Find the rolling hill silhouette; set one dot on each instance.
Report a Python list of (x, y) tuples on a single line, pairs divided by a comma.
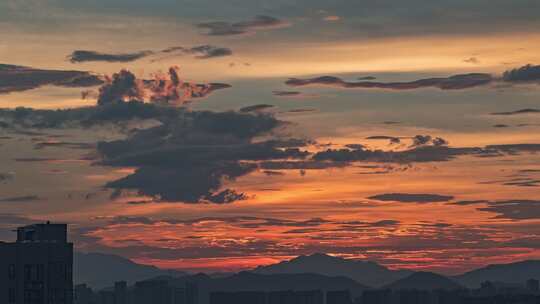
[(100, 270), (364, 272)]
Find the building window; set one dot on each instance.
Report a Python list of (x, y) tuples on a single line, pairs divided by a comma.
[(12, 296), (69, 273), (11, 271), (28, 272), (39, 272)]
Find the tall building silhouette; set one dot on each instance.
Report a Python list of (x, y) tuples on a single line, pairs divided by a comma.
[(37, 268), (533, 285), (120, 292)]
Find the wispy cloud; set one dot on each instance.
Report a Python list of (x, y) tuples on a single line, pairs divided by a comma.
[(19, 78), (199, 52), (259, 23), (526, 74)]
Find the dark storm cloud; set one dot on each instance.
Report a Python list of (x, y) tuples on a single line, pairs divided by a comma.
[(221, 28), (188, 174), (190, 155), (87, 56), (185, 184), (518, 112), (527, 73), (456, 82), (186, 158), (412, 198), (18, 78)]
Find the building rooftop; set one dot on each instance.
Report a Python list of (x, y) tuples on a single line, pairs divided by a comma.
[(45, 232)]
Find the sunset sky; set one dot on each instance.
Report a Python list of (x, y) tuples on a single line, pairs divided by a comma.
[(402, 132)]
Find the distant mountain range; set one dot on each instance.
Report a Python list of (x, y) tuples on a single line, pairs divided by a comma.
[(304, 272), (377, 276), (514, 273), (424, 281), (364, 272), (102, 270)]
